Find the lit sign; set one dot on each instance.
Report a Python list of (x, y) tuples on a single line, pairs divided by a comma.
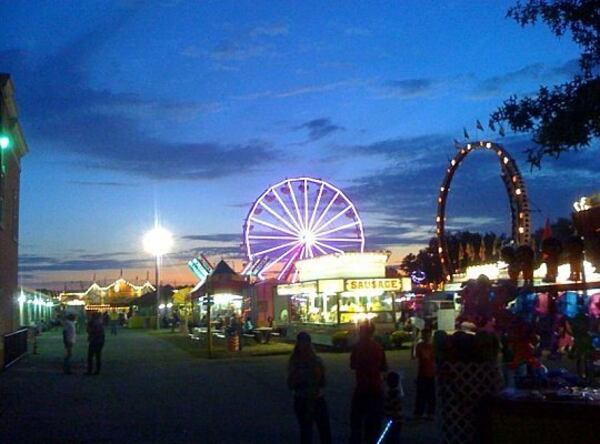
[(373, 284), (297, 288)]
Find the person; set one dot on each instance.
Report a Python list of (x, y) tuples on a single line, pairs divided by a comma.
[(392, 408), (425, 400), (175, 321), (248, 326), (368, 361), (69, 337), (306, 377), (95, 331), (114, 318)]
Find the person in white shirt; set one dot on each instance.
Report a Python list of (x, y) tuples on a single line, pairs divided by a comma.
[(69, 337)]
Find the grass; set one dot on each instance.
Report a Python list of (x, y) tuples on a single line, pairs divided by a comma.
[(198, 349)]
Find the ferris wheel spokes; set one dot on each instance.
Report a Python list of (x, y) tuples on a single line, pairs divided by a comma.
[(331, 247), (286, 209), (274, 213), (278, 247), (317, 229), (316, 207), (293, 196), (306, 204), (270, 225), (327, 209), (267, 237), (339, 239), (291, 260), (280, 258), (333, 230)]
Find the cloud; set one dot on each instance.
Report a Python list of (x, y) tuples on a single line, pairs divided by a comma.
[(137, 107), (414, 152), (30, 259), (270, 30), (51, 264), (229, 50), (419, 87), (104, 255), (523, 77), (302, 90), (245, 46), (103, 130), (568, 69), (319, 128), (231, 252), (219, 237), (101, 184), (395, 232)]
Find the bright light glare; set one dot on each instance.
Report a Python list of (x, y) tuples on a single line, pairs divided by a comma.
[(161, 306), (308, 238), (158, 241), (169, 305), (4, 142)]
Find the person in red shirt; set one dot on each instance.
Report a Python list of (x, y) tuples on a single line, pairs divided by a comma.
[(368, 361), (425, 377)]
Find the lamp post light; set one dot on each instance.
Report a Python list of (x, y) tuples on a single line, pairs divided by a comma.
[(158, 242)]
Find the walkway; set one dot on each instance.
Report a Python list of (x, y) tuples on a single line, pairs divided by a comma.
[(152, 392)]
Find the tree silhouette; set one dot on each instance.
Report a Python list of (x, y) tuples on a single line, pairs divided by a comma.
[(564, 117)]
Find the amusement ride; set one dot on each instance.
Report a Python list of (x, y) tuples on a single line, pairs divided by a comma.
[(299, 218)]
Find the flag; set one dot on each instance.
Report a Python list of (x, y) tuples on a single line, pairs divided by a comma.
[(501, 131), (491, 125), (465, 133), (547, 230), (478, 125)]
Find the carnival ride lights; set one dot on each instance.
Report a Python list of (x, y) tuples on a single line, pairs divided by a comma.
[(499, 269), (515, 187), (300, 218)]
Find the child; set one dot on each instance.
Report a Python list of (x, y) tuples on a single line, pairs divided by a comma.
[(392, 408), (425, 377)]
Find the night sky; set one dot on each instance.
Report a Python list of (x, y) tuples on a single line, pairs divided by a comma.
[(190, 109)]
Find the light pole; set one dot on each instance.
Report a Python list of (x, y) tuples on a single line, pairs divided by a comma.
[(158, 242)]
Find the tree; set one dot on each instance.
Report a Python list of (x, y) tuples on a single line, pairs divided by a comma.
[(565, 117)]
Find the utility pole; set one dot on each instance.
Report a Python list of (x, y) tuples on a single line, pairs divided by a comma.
[(208, 301)]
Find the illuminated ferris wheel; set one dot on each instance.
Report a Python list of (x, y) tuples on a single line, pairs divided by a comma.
[(297, 219)]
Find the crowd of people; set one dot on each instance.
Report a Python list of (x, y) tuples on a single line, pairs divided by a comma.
[(95, 337), (376, 416)]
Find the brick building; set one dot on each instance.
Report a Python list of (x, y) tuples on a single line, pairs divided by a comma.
[(12, 149)]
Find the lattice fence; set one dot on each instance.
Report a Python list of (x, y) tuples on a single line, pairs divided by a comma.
[(461, 387)]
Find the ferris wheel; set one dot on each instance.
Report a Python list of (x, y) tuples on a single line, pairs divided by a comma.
[(297, 219)]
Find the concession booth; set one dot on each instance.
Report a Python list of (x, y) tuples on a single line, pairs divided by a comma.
[(335, 292)]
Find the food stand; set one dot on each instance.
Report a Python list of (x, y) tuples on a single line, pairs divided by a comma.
[(336, 291), (225, 287)]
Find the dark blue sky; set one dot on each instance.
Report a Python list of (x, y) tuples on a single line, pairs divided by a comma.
[(193, 108)]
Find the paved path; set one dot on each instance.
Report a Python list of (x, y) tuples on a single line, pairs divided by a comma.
[(151, 392)]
